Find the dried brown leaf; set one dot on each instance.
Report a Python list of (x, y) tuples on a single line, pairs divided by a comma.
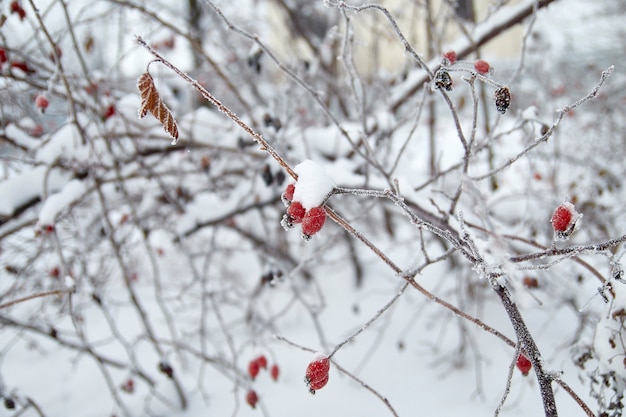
[(151, 102)]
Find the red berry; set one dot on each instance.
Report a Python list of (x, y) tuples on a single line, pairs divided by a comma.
[(274, 372), (22, 66), (128, 386), (262, 361), (59, 53), (3, 56), (316, 375), (55, 272), (314, 386), (523, 364), (41, 102), (47, 229), (296, 212), (561, 218), (564, 220), (110, 111), (481, 66), (37, 131), (288, 194), (253, 368), (252, 398), (313, 221), (450, 56)]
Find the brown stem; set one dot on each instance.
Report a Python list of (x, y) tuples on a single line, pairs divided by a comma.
[(30, 297)]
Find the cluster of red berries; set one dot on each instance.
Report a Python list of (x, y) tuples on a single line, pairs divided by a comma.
[(564, 220), (16, 7), (254, 367), (312, 220), (21, 65), (260, 362), (316, 375)]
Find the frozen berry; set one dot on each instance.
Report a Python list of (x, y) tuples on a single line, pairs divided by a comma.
[(287, 196), (296, 212), (316, 375), (450, 56), (313, 221), (22, 66), (564, 220), (3, 56), (262, 361), (41, 103), (314, 386), (109, 112), (252, 398), (253, 368), (55, 272), (47, 229), (482, 66), (274, 372), (530, 282), (128, 386), (523, 364)]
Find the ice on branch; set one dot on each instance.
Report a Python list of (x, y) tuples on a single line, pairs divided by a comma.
[(313, 185)]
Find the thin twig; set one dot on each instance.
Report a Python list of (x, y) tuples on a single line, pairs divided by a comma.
[(265, 146), (37, 295)]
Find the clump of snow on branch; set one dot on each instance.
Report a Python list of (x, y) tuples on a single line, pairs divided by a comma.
[(313, 185), (72, 192)]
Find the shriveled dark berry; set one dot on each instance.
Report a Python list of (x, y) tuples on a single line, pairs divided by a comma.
[(267, 176), (443, 80), (503, 99)]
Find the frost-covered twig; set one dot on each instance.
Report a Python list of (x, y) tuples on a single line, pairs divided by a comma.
[(503, 20), (509, 377), (570, 250), (308, 88), (265, 146), (544, 138), (344, 371), (367, 324), (405, 43)]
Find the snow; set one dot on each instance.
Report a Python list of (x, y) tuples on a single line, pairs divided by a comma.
[(313, 185), (72, 192), (26, 186)]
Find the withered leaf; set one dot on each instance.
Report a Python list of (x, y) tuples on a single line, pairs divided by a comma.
[(151, 102)]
